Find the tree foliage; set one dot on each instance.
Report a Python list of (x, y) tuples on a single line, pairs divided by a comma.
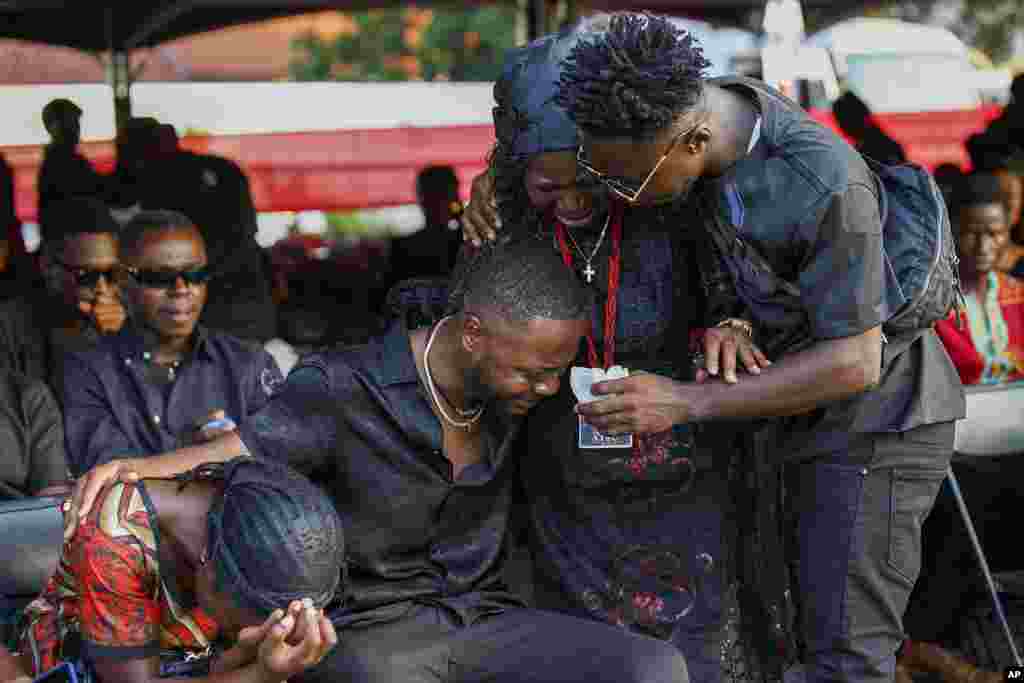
[(409, 43)]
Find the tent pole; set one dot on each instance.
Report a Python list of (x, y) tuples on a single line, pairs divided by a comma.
[(121, 84), (119, 74), (536, 18)]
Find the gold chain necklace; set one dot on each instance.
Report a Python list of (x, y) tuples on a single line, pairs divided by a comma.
[(472, 416)]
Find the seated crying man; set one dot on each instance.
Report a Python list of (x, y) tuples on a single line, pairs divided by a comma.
[(221, 573), (412, 435), (159, 383)]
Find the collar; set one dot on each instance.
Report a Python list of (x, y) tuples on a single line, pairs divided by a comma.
[(393, 364), (134, 340), (396, 363), (763, 98)]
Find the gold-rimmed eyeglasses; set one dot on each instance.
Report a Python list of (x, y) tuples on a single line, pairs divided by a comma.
[(622, 188)]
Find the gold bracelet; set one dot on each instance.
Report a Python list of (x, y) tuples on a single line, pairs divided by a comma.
[(738, 324)]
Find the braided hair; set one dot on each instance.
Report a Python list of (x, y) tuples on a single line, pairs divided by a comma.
[(634, 79), (273, 536)]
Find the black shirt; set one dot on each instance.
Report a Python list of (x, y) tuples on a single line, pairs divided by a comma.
[(807, 202), (65, 173), (31, 437), (113, 408), (358, 420)]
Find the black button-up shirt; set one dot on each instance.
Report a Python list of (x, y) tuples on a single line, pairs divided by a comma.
[(807, 202), (358, 420), (113, 410)]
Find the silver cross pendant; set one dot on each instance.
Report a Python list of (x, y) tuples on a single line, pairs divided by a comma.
[(589, 273)]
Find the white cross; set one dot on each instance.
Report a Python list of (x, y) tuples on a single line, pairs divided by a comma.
[(589, 273)]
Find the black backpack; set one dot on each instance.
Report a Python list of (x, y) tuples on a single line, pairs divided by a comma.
[(918, 243)]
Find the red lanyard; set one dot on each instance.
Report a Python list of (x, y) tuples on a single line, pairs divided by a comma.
[(614, 269)]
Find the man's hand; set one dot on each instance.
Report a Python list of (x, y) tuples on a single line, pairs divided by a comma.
[(643, 403), (722, 347), (480, 220), (278, 658), (89, 486), (106, 313)]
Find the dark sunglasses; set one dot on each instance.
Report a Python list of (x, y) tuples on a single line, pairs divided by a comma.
[(166, 279), (88, 277)]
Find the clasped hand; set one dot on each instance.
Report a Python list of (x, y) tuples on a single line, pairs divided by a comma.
[(287, 643)]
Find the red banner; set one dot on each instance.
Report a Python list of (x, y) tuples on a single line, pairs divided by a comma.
[(328, 170)]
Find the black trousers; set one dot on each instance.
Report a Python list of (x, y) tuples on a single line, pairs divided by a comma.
[(517, 645), (859, 515)]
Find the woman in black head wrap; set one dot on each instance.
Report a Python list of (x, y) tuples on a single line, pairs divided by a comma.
[(629, 534), (161, 571)]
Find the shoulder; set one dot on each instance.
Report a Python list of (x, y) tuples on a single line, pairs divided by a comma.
[(812, 154), (224, 169), (224, 343), (27, 392), (380, 361), (106, 353), (121, 511), (1011, 289), (17, 311), (341, 362)]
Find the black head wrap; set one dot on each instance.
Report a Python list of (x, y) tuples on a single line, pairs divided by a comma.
[(274, 537), (527, 119)]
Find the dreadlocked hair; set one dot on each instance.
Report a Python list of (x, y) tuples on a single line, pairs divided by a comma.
[(273, 536), (634, 79)]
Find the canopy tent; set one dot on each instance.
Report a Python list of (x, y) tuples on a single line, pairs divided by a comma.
[(282, 177), (731, 12), (116, 27)]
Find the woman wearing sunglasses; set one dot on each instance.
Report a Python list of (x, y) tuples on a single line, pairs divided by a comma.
[(164, 381), (220, 574), (628, 533)]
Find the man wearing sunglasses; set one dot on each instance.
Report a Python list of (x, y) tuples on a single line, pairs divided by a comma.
[(164, 381), (80, 300)]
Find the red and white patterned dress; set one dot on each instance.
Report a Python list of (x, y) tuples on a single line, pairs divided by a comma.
[(109, 591)]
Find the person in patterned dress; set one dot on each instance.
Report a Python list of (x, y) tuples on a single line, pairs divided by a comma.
[(162, 572)]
